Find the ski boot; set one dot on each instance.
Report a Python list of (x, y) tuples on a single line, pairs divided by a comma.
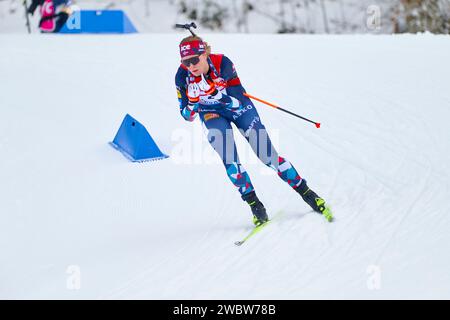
[(314, 201), (258, 210)]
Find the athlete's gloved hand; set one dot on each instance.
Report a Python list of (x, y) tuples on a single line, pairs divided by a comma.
[(235, 105), (193, 93), (190, 111), (209, 88)]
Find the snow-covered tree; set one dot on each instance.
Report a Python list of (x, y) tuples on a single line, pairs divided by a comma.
[(422, 15)]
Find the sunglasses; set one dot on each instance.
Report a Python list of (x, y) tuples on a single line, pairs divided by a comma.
[(193, 61)]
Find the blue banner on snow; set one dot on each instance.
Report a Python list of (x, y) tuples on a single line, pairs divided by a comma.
[(98, 21)]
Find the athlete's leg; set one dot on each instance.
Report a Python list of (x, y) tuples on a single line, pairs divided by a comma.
[(254, 131), (221, 138)]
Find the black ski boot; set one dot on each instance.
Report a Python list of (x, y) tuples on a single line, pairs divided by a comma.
[(314, 201), (258, 210)]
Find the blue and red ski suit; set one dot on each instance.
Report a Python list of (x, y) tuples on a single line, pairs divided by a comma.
[(233, 107)]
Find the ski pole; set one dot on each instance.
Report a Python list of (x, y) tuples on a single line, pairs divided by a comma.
[(280, 108), (25, 4)]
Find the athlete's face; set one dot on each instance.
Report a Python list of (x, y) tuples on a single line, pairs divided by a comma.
[(196, 64)]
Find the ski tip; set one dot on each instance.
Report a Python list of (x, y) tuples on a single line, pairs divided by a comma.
[(239, 243)]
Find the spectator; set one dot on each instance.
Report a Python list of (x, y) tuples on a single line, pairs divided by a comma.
[(54, 14)]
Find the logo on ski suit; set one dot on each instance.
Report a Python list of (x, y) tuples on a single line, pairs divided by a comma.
[(241, 111)]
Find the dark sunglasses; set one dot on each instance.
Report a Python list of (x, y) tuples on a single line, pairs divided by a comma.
[(193, 61)]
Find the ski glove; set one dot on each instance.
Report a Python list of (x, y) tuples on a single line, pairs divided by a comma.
[(209, 88), (190, 111)]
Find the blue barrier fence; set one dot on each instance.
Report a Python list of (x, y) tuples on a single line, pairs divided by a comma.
[(98, 21)]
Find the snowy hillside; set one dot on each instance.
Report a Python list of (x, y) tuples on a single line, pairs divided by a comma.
[(77, 220)]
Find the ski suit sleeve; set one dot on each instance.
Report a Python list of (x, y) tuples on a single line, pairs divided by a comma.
[(34, 4), (234, 86)]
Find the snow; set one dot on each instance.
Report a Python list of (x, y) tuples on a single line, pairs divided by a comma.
[(166, 229)]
